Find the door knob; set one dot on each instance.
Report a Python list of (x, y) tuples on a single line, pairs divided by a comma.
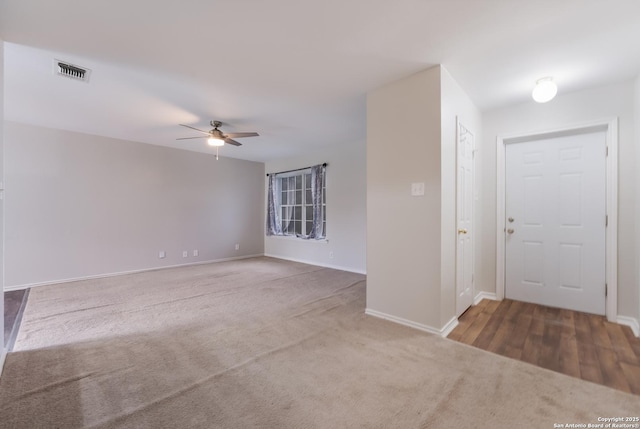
[(510, 219), (462, 231), (510, 231)]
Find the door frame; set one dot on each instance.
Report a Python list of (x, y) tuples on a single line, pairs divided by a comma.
[(610, 126)]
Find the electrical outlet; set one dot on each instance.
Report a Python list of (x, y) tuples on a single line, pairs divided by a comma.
[(417, 189), (237, 246), (195, 252), (162, 254), (185, 253)]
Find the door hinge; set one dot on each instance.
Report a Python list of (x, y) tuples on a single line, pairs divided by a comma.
[(607, 151), (606, 220), (606, 290)]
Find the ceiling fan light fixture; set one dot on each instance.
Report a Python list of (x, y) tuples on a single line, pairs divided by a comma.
[(544, 90), (217, 138), (215, 142)]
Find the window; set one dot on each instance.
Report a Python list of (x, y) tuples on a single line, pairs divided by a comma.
[(292, 209)]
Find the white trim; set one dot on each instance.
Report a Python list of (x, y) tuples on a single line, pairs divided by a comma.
[(3, 357), (500, 214), (484, 295), (319, 264), (611, 263), (448, 327), (121, 273), (630, 322), (298, 239), (443, 332), (612, 228)]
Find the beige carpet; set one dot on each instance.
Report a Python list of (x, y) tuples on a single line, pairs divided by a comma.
[(263, 343)]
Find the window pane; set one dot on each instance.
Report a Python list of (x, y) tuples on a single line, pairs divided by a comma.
[(298, 226), (309, 225), (299, 182), (307, 179), (324, 215), (283, 212), (283, 184), (298, 197), (324, 224), (308, 200), (298, 213), (284, 227), (324, 194), (283, 198)]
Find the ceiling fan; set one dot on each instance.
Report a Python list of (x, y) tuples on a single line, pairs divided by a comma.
[(217, 138)]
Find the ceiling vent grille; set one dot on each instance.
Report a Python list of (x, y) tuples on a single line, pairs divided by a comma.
[(63, 68)]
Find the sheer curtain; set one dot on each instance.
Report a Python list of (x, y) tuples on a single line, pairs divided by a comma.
[(274, 226), (317, 186)]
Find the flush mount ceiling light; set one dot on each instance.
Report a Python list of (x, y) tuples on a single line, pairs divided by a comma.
[(544, 90)]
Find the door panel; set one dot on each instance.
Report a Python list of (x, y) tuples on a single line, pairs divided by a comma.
[(555, 226), (464, 214)]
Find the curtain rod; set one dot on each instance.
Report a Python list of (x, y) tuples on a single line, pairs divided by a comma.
[(297, 169)]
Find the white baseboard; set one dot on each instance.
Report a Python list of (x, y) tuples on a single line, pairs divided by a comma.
[(318, 264), (630, 322), (122, 273), (3, 356), (484, 295), (450, 326), (443, 332)]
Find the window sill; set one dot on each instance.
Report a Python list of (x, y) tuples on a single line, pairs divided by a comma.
[(293, 238)]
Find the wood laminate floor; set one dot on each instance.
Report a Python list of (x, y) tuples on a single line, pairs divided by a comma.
[(578, 344)]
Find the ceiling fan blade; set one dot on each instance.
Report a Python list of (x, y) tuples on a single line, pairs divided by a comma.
[(233, 142), (188, 138), (237, 135), (193, 128)]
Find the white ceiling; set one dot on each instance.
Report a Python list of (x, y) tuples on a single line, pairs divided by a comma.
[(295, 71)]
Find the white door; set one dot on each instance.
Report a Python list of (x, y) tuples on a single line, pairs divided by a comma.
[(555, 226), (464, 214)]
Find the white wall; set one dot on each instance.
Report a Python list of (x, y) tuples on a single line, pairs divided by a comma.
[(637, 163), (346, 210), (566, 110), (404, 231), (455, 104), (79, 206), (411, 241), (3, 352)]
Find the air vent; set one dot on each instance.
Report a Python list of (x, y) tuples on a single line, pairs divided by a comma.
[(63, 68)]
